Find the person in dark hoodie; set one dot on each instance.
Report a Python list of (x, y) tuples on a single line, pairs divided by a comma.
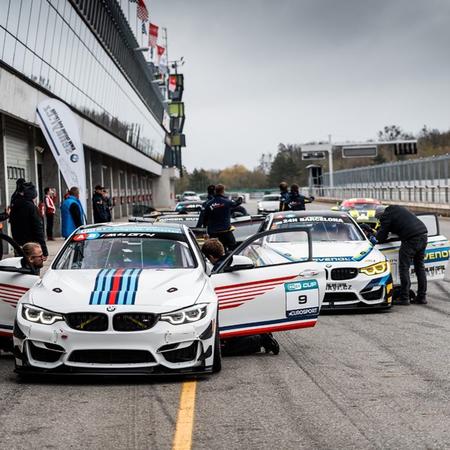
[(18, 192), (412, 232), (211, 190), (26, 223)]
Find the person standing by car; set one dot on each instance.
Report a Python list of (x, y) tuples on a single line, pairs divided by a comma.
[(217, 217), (18, 192), (72, 214), (50, 211), (99, 206), (296, 201), (108, 203), (412, 232), (26, 223), (284, 194)]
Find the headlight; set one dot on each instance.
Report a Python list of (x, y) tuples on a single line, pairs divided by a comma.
[(375, 269), (188, 315), (39, 315)]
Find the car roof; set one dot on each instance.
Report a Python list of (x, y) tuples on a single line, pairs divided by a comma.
[(319, 212), (361, 200), (131, 227)]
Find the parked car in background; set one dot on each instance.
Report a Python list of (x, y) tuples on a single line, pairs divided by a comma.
[(190, 196), (269, 203)]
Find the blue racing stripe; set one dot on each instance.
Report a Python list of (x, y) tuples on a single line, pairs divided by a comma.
[(133, 284), (97, 288), (106, 288)]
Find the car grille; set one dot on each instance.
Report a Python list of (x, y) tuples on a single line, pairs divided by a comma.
[(134, 321), (340, 297), (111, 356), (86, 321), (344, 273)]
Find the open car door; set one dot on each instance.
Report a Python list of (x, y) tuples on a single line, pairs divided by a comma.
[(436, 254), (14, 283), (269, 283)]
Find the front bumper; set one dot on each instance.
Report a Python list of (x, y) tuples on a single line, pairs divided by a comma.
[(164, 348), (362, 292)]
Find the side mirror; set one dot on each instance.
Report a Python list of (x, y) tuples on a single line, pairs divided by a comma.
[(239, 263)]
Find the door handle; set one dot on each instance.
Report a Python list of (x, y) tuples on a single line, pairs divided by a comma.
[(308, 273)]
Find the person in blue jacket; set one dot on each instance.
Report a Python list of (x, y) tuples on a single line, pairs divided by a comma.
[(72, 214), (217, 217)]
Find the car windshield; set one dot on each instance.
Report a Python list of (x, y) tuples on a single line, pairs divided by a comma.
[(271, 198), (126, 253), (322, 229), (361, 206)]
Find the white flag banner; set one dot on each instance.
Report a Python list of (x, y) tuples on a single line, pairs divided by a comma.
[(60, 128)]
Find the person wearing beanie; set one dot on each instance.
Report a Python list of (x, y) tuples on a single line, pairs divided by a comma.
[(26, 222)]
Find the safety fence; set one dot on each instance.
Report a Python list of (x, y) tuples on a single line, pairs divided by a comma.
[(429, 195), (434, 170)]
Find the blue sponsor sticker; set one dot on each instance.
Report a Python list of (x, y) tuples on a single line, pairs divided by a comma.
[(301, 285), (305, 313)]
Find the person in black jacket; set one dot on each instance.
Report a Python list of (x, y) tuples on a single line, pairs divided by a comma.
[(217, 217), (26, 223), (413, 236), (18, 192), (296, 201), (100, 206)]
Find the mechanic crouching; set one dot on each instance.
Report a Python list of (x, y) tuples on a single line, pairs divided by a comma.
[(413, 236), (214, 251)]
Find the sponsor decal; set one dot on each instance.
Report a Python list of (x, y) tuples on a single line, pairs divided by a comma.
[(305, 313), (437, 255), (301, 285), (115, 287), (120, 229), (333, 287)]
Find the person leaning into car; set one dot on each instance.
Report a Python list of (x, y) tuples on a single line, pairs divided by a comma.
[(33, 258), (217, 217), (413, 236)]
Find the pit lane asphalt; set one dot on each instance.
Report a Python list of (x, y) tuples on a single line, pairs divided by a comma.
[(378, 380)]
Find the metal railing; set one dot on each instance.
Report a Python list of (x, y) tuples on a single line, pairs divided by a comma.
[(430, 171), (430, 195)]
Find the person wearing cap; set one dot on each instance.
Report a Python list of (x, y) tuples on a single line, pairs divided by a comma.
[(412, 232), (26, 222), (100, 206)]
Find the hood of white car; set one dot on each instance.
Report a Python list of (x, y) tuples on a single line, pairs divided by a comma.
[(330, 251), (79, 290)]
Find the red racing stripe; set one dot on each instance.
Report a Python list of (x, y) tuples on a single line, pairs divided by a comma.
[(117, 278), (253, 283), (230, 306), (10, 286)]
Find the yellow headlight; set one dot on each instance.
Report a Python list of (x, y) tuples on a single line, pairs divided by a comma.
[(375, 269)]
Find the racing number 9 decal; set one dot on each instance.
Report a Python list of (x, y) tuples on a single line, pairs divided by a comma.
[(302, 299)]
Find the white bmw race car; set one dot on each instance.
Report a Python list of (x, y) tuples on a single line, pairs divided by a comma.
[(139, 298), (358, 273)]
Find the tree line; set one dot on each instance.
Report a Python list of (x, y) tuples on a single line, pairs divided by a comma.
[(287, 164)]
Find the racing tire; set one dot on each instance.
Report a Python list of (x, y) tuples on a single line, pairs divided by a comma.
[(217, 362)]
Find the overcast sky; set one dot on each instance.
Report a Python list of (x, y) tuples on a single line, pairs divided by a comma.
[(261, 72)]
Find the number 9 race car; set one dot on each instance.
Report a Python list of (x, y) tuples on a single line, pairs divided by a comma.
[(140, 299)]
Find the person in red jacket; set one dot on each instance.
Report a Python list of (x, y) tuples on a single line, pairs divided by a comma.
[(50, 211)]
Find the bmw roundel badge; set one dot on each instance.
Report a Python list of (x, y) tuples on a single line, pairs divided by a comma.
[(110, 308)]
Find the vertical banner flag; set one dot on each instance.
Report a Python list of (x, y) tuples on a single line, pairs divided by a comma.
[(142, 12), (60, 128), (161, 60), (152, 35)]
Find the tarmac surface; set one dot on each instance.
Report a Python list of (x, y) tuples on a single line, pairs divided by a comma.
[(356, 380)]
